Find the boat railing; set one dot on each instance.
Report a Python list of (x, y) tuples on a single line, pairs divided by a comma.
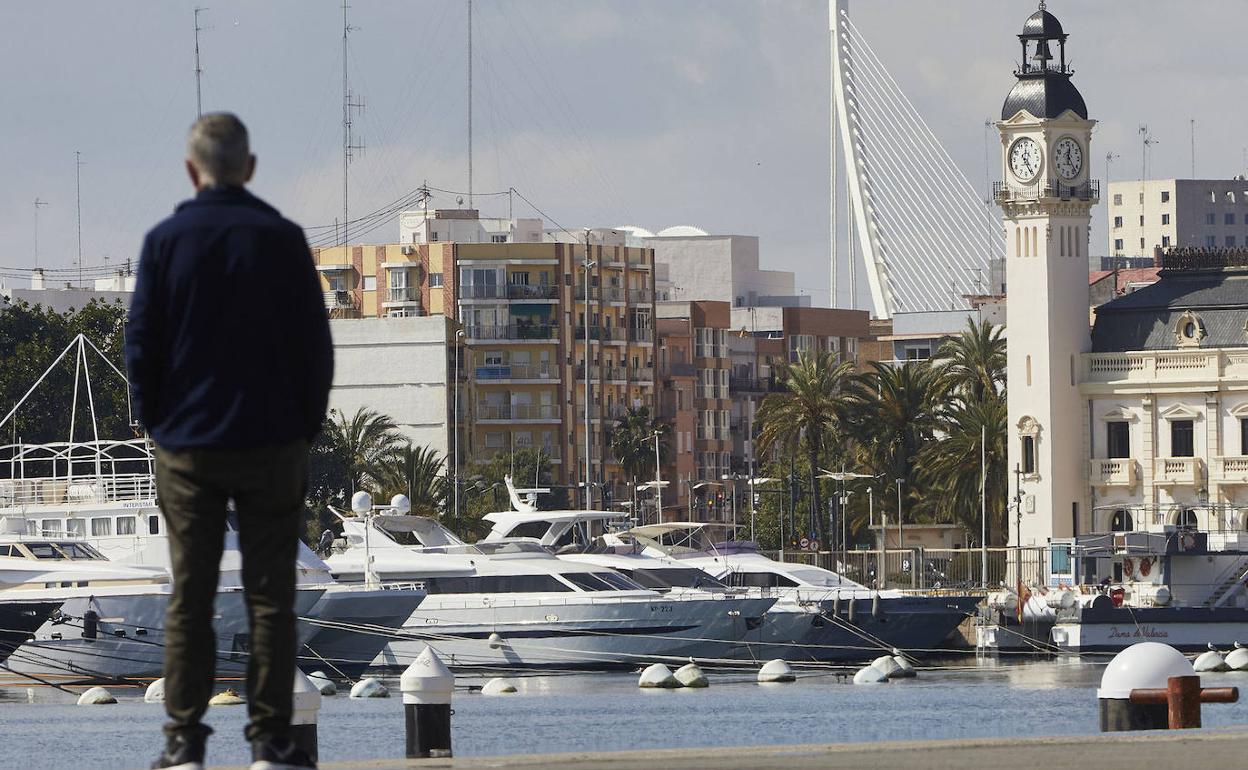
[(77, 490), (928, 569)]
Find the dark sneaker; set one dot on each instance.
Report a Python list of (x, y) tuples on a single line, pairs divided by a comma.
[(182, 752), (279, 754)]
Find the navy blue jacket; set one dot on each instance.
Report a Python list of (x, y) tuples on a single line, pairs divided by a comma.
[(227, 340)]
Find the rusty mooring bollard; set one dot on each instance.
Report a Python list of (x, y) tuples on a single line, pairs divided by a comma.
[(1182, 698)]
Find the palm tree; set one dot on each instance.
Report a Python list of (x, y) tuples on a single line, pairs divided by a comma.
[(890, 413), (972, 364), (805, 414), (950, 468), (416, 471), (632, 443), (366, 444)]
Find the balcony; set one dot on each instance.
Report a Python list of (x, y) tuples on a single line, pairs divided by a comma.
[(752, 385), (614, 294), (515, 332), (483, 291), (1230, 470), (642, 334), (339, 300), (677, 370), (517, 413), (1041, 189), (579, 293), (1164, 366), (1178, 471), (1119, 472), (514, 372), (532, 292), (600, 333), (640, 296), (402, 296)]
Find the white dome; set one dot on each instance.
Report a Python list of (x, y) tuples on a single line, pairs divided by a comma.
[(640, 232), (682, 231), (1146, 665)]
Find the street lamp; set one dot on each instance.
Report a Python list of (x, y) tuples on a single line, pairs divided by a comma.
[(901, 536), (459, 336)]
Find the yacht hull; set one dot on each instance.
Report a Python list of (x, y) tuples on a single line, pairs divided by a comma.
[(823, 631), (19, 621), (564, 633), (350, 628), (1190, 629), (129, 641)]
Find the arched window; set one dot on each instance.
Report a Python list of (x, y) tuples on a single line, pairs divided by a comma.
[(1187, 519), (1018, 241), (1122, 521), (1028, 363)]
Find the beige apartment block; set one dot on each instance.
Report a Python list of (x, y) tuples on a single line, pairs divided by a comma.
[(1166, 213)]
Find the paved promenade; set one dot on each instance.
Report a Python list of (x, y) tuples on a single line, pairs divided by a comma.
[(1204, 749)]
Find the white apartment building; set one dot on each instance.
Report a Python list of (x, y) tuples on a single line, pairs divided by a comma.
[(719, 268), (1165, 213), (465, 226), (399, 367)]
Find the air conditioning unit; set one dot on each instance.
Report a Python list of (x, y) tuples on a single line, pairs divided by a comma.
[(407, 251)]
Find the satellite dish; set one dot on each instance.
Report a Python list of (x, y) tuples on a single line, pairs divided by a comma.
[(460, 200)]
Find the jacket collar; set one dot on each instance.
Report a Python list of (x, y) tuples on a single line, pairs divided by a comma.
[(237, 196)]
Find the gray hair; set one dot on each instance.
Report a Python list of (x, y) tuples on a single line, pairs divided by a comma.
[(219, 149)]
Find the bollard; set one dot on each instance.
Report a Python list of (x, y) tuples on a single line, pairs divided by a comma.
[(427, 685), (306, 704), (1147, 665), (1182, 698)]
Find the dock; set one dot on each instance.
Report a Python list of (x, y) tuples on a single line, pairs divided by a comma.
[(1211, 748)]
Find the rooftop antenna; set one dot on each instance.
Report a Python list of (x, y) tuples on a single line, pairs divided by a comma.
[(199, 100), (348, 144), (78, 198), (1146, 142), (469, 103), (38, 205), (1110, 157), (1193, 123)]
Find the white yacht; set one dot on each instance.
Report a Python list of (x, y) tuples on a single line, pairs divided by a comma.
[(104, 502), (844, 620), (514, 605)]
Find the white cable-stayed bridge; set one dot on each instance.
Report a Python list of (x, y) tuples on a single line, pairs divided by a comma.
[(925, 238)]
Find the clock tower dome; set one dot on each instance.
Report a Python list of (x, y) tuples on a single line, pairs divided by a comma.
[(1046, 195)]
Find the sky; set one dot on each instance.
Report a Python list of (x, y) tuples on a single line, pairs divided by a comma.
[(600, 112)]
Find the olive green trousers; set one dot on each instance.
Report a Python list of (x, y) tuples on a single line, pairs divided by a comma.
[(268, 486)]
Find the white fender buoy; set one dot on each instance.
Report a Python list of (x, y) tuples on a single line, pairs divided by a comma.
[(1237, 659), (1210, 661), (657, 676), (495, 641), (96, 696), (690, 675), (155, 692), (369, 688), (227, 697), (776, 671), (870, 675), (885, 665), (904, 670), (323, 684), (498, 686)]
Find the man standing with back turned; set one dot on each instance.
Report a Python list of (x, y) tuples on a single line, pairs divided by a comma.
[(230, 361)]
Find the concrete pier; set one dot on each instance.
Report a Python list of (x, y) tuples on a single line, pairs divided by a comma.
[(1129, 751)]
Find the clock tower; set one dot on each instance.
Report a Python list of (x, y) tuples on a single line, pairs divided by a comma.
[(1046, 195)]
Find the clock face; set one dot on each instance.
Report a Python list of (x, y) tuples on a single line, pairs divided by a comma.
[(1068, 157), (1025, 158)]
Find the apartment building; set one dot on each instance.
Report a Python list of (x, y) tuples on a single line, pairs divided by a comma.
[(694, 399), (1166, 213), (531, 315)]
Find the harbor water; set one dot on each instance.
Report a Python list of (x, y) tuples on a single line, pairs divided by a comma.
[(42, 728)]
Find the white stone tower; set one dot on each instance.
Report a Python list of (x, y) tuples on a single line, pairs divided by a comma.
[(1047, 197)]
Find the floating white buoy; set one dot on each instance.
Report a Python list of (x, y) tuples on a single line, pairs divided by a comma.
[(228, 697), (369, 688), (689, 675), (776, 671), (323, 684), (885, 665), (1237, 659), (498, 686), (1210, 661), (657, 675), (495, 641), (904, 670), (96, 696), (870, 675), (155, 692)]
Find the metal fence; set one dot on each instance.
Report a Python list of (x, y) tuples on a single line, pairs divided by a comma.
[(929, 568)]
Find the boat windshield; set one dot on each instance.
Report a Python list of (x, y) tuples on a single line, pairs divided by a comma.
[(675, 577), (822, 578), (601, 581)]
